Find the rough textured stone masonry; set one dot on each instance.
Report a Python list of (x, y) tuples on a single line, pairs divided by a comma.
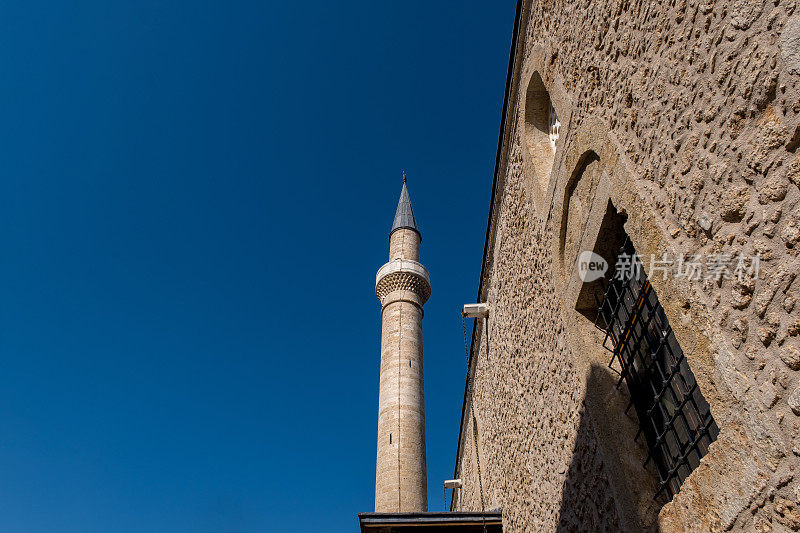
[(683, 117)]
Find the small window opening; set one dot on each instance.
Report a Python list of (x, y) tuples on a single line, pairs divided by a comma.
[(673, 416), (554, 126), (409, 363), (390, 438), (541, 130)]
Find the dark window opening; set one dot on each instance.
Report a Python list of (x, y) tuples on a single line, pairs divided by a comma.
[(610, 238), (390, 438), (673, 415)]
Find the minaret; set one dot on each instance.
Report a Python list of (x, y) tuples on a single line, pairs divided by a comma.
[(403, 286)]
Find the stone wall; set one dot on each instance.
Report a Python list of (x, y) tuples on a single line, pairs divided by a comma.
[(685, 117)]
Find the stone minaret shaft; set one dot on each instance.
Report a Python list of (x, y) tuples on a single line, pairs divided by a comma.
[(403, 286)]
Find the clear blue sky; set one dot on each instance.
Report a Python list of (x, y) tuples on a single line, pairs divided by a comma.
[(195, 199)]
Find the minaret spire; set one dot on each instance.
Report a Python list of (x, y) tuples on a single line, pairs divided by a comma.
[(402, 286), (404, 216)]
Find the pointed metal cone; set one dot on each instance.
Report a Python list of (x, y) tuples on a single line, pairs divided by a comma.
[(404, 217)]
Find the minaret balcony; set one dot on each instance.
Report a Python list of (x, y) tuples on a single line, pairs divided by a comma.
[(403, 275)]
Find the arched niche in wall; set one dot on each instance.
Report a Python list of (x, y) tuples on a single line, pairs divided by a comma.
[(587, 219), (596, 208), (577, 204), (540, 132)]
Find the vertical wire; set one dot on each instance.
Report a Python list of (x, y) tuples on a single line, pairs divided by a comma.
[(472, 412)]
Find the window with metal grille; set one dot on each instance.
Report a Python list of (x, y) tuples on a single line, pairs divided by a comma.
[(673, 416)]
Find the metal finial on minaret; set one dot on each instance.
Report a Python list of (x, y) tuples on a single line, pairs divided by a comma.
[(403, 286), (404, 177)]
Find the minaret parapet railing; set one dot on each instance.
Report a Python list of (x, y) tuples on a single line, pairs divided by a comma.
[(403, 274)]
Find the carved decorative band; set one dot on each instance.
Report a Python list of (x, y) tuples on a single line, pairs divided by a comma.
[(403, 275), (403, 281)]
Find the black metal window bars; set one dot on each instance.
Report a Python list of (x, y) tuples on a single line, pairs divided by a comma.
[(673, 415)]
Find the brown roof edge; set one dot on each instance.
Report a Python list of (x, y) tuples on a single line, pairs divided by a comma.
[(444, 520), (519, 26)]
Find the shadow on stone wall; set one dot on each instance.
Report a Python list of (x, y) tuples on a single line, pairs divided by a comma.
[(606, 487)]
